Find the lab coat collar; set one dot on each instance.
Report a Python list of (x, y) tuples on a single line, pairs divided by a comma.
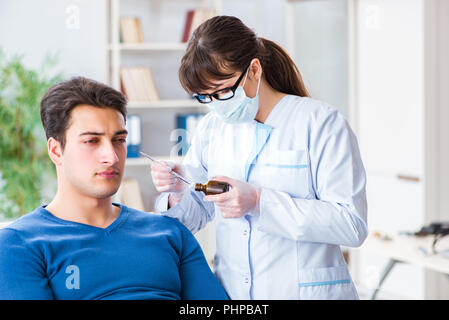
[(277, 114)]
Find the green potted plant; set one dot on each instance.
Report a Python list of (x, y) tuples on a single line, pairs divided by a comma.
[(24, 163)]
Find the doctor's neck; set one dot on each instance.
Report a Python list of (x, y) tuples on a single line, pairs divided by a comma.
[(268, 99)]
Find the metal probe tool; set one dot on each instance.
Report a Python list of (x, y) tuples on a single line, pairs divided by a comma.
[(177, 175)]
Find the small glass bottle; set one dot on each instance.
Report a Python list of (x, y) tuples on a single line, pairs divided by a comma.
[(212, 187)]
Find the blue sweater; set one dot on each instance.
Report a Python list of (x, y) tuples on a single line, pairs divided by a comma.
[(139, 256)]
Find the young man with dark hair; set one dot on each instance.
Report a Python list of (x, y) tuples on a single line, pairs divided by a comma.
[(83, 246)]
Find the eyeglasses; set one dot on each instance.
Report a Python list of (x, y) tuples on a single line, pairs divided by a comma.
[(222, 94)]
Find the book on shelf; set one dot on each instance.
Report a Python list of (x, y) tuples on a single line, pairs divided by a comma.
[(134, 139), (137, 84), (186, 124), (193, 19), (130, 30), (187, 26)]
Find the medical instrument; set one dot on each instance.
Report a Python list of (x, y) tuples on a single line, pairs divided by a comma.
[(177, 175), (436, 229)]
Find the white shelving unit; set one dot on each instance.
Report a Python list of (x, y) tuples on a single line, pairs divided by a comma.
[(117, 48)]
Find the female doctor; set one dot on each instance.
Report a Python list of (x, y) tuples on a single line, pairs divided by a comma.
[(298, 182)]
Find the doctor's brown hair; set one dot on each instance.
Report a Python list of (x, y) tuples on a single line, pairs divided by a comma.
[(223, 45)]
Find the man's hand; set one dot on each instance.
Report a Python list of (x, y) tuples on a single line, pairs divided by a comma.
[(240, 200)]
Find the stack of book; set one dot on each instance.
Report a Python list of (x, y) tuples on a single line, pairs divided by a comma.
[(193, 19), (130, 30), (137, 84)]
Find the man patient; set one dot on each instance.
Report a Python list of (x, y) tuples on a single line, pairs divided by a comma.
[(83, 246)]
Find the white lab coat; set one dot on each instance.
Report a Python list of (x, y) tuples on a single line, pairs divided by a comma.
[(306, 160)]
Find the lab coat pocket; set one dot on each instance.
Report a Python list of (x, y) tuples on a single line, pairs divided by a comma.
[(288, 171), (332, 283)]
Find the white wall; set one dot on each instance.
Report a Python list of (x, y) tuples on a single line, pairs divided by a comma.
[(265, 17), (73, 28), (320, 49)]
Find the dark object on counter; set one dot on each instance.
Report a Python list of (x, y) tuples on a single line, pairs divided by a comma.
[(212, 187)]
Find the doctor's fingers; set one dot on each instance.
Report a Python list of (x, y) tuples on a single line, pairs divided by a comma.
[(161, 171), (221, 197), (232, 200), (162, 166), (165, 181), (229, 203), (161, 179), (162, 175), (230, 211), (168, 187)]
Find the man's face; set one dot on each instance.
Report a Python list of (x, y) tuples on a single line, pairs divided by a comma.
[(95, 151)]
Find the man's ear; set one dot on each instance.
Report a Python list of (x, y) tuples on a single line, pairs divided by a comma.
[(54, 151)]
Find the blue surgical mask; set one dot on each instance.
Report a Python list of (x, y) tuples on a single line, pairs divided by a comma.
[(239, 108)]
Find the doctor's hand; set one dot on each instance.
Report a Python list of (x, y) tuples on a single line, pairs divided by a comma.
[(240, 200), (164, 181)]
